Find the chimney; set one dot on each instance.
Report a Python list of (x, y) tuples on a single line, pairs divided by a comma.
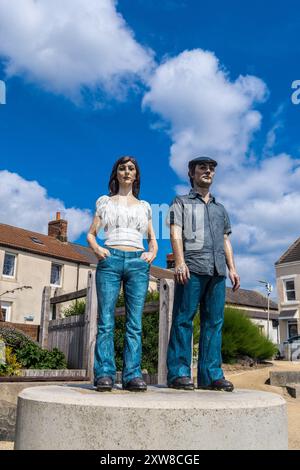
[(170, 261), (58, 228)]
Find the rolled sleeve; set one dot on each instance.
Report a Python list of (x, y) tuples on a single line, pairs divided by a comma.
[(175, 213), (227, 224)]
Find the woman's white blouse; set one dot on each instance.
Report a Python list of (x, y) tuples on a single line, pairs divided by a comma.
[(124, 225)]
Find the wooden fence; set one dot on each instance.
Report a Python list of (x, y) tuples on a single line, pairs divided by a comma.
[(75, 336), (66, 335)]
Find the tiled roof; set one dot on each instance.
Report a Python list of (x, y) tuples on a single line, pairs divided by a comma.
[(85, 251), (250, 298), (259, 315), (21, 239), (292, 254)]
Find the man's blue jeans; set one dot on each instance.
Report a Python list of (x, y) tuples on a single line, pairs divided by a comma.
[(126, 266), (209, 292)]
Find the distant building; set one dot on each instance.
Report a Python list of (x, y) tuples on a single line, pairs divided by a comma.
[(255, 306), (37, 260), (288, 288)]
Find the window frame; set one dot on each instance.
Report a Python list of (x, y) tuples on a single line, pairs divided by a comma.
[(288, 324), (7, 276), (285, 280), (53, 263)]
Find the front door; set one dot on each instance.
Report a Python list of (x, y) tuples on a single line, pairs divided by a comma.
[(5, 311)]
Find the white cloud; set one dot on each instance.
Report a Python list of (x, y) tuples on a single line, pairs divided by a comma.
[(206, 111), (253, 269), (271, 138), (26, 204), (264, 205), (67, 46)]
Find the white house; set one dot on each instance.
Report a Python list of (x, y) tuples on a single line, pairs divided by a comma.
[(288, 287), (36, 260)]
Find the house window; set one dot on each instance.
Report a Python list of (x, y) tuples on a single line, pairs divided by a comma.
[(9, 265), (292, 329), (36, 240), (55, 279), (5, 311), (290, 292)]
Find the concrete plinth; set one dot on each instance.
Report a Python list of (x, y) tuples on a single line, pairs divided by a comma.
[(294, 390), (77, 417)]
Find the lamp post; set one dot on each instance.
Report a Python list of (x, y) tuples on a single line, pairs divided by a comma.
[(269, 289)]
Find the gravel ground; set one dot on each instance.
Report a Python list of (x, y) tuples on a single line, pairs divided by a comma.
[(256, 378)]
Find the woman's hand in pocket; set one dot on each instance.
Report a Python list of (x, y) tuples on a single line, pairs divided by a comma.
[(102, 253), (147, 256)]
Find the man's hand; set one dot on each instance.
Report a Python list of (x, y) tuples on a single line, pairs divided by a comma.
[(182, 273), (235, 279)]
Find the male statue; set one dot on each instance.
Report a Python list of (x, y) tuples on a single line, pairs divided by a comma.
[(199, 228)]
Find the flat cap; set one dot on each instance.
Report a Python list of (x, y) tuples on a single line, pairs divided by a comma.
[(202, 159)]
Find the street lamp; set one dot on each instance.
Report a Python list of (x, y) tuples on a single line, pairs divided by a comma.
[(269, 289), (11, 292)]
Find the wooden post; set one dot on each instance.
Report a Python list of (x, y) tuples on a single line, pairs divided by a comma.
[(45, 317), (2, 352), (166, 299), (58, 291), (91, 317)]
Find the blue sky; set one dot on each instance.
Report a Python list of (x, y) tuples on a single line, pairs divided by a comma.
[(90, 80)]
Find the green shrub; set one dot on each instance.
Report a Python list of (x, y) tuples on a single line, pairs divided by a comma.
[(14, 338), (29, 354), (149, 342), (75, 308), (241, 337), (12, 366), (151, 296)]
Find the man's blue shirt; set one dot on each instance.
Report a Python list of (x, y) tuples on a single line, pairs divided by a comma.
[(203, 228)]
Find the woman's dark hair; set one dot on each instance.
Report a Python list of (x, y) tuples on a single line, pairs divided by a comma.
[(113, 180)]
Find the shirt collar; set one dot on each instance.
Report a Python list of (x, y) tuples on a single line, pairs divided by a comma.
[(193, 194)]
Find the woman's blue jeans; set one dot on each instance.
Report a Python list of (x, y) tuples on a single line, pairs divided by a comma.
[(209, 291), (129, 267)]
